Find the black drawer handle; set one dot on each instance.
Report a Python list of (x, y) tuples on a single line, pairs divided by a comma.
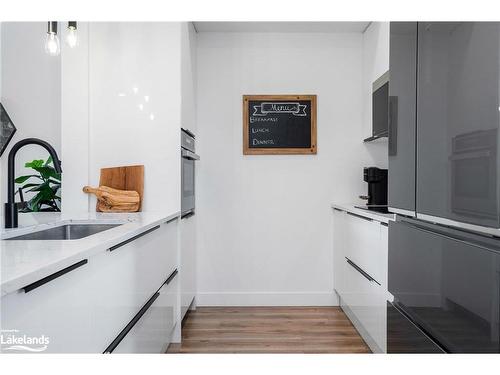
[(131, 325), (170, 220), (171, 277), (133, 238), (360, 270), (55, 275), (359, 216), (338, 209), (187, 215)]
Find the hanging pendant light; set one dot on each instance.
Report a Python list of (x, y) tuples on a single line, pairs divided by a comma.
[(52, 46), (71, 36)]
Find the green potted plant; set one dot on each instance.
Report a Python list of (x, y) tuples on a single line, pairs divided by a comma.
[(45, 183)]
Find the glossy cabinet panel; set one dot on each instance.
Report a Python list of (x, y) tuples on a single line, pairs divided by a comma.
[(405, 337), (134, 103), (127, 277), (152, 332), (339, 225), (362, 239), (360, 254), (402, 114), (188, 262), (384, 249), (458, 120), (59, 310), (366, 300), (448, 283)]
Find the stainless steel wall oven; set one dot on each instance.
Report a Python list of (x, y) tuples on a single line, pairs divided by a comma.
[(188, 159)]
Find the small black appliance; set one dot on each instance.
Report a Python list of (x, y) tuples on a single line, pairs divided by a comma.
[(377, 188)]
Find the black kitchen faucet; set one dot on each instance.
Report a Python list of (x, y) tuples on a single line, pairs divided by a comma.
[(11, 207)]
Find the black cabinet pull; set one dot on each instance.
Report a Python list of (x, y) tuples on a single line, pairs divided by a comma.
[(170, 220), (55, 275), (360, 270), (359, 216), (131, 324), (188, 214), (171, 277), (338, 209), (133, 238)]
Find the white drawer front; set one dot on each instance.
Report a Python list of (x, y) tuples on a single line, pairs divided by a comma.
[(384, 251), (362, 245), (58, 310), (152, 332), (366, 299)]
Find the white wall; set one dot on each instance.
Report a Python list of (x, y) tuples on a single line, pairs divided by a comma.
[(127, 62), (265, 222), (375, 63), (31, 92)]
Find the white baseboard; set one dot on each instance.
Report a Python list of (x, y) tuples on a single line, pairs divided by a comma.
[(266, 299)]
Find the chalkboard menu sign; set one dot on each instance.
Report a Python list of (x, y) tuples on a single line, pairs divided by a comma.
[(279, 124)]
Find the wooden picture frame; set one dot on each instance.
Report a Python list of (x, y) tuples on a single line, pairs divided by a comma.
[(247, 150)]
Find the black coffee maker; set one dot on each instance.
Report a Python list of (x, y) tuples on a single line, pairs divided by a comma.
[(377, 189)]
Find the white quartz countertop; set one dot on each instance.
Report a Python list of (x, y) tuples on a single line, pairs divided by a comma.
[(23, 262), (377, 216)]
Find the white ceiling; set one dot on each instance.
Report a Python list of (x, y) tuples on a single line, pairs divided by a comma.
[(281, 27)]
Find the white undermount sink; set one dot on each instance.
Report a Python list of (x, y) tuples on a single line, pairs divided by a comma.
[(65, 230)]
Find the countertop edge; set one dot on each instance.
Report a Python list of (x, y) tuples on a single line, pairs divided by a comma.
[(349, 207), (17, 283)]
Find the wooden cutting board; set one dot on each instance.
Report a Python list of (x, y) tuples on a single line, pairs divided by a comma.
[(123, 178)]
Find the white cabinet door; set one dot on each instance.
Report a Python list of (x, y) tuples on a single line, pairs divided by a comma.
[(151, 332), (339, 251), (188, 262)]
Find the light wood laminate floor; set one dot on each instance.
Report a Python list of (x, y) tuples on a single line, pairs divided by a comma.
[(269, 330)]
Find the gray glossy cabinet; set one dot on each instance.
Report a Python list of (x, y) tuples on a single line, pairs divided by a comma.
[(402, 115), (447, 282), (458, 120), (404, 337)]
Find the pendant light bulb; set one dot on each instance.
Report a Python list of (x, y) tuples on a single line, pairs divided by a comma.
[(71, 35), (52, 46)]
